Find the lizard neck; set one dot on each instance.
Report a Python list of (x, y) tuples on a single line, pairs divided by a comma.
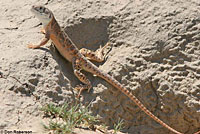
[(53, 26), (49, 24)]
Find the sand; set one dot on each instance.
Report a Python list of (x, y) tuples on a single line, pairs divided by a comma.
[(155, 53)]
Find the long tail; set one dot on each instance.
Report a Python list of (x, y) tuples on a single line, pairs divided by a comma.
[(119, 86)]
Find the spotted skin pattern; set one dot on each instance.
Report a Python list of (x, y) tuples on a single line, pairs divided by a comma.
[(94, 56), (77, 71), (80, 58)]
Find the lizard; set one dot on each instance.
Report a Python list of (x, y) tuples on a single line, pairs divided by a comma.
[(80, 59)]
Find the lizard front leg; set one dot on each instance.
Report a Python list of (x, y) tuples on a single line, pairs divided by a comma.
[(77, 71), (95, 56), (43, 42)]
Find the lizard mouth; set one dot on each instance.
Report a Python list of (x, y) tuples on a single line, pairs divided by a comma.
[(33, 9), (38, 9), (42, 13)]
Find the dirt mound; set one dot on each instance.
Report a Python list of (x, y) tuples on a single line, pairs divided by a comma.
[(155, 54)]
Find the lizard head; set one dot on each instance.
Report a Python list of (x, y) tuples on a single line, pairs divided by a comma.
[(43, 14)]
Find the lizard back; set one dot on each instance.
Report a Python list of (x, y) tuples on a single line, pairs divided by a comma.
[(61, 40)]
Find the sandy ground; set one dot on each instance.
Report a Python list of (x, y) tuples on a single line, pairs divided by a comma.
[(155, 54)]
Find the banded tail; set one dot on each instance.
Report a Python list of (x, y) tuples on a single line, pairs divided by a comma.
[(119, 86)]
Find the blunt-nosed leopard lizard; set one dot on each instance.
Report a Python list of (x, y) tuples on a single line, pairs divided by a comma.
[(80, 58)]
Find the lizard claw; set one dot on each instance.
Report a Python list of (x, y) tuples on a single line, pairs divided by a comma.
[(30, 46), (80, 88), (42, 30)]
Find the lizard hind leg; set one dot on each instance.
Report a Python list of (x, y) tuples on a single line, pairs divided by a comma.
[(95, 56), (77, 71)]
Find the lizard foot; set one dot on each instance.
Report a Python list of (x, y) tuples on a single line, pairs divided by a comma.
[(80, 88), (42, 30), (32, 46), (101, 49)]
